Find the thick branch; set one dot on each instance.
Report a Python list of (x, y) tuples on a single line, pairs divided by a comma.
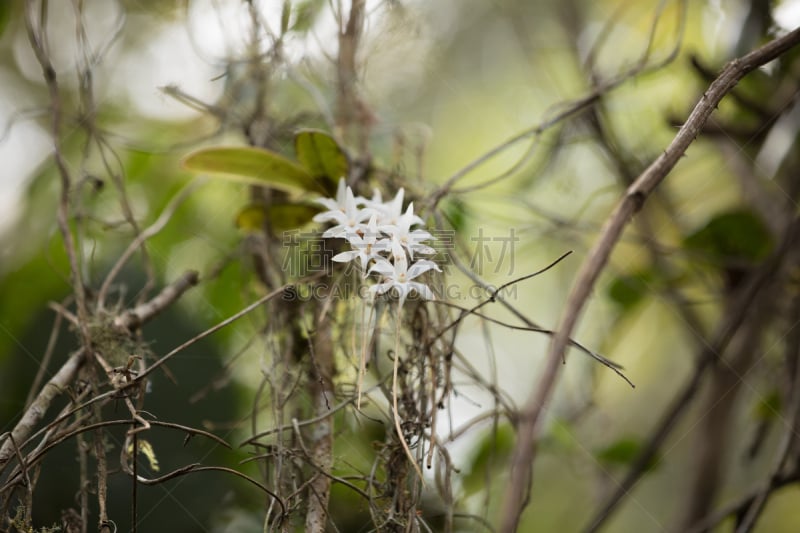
[(38, 408), (631, 202)]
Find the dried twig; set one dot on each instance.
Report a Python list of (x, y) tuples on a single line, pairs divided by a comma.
[(38, 39)]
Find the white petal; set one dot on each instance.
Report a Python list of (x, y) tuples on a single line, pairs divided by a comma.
[(340, 192), (382, 245), (397, 250), (327, 202), (363, 214), (423, 290), (389, 229), (395, 205), (350, 201), (336, 232), (422, 249), (344, 257), (372, 225), (423, 265), (421, 235), (325, 216), (410, 218), (356, 241), (382, 266)]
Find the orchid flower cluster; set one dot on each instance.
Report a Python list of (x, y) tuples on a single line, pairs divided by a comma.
[(381, 240)]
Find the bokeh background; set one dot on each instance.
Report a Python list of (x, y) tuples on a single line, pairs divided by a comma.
[(446, 81)]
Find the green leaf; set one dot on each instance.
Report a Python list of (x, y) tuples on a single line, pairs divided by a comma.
[(628, 290), (322, 156), (282, 217), (732, 237), (251, 218), (623, 452), (255, 166)]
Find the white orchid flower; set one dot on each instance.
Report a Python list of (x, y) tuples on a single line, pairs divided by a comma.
[(385, 244), (366, 246), (398, 276), (349, 218)]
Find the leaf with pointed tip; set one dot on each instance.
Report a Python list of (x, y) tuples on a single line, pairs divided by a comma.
[(322, 156), (255, 166)]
